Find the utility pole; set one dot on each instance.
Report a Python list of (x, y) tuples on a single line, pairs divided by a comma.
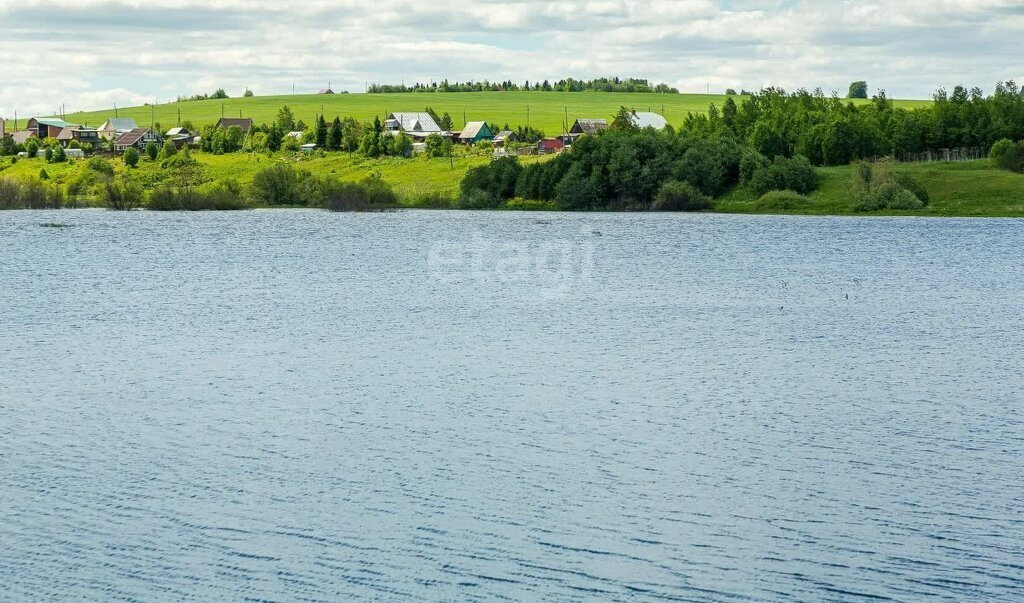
[(115, 110)]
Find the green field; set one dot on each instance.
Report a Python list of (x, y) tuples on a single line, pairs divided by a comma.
[(547, 110)]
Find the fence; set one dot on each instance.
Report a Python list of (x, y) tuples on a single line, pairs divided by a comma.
[(944, 155)]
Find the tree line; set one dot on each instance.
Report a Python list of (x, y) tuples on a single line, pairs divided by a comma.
[(604, 84), (830, 131)]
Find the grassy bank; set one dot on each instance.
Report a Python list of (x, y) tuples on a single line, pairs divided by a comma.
[(955, 189), (544, 110)]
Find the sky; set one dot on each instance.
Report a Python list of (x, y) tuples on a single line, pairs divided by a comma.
[(91, 54)]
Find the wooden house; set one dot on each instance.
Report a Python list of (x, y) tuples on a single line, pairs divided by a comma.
[(589, 127), (82, 135), (228, 122), (114, 127), (474, 132), (504, 137), (47, 127), (138, 138), (549, 146)]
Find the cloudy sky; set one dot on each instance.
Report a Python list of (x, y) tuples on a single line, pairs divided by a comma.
[(89, 54)]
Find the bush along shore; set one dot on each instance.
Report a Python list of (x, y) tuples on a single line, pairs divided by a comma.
[(773, 153)]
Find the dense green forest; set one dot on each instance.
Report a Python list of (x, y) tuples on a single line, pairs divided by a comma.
[(767, 143)]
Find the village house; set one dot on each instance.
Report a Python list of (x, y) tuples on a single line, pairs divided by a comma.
[(22, 136), (504, 137), (82, 135), (550, 146), (415, 125), (180, 137), (114, 127), (588, 127), (229, 122), (47, 127), (138, 138), (474, 132)]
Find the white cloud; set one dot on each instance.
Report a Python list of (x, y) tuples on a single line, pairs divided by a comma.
[(92, 53)]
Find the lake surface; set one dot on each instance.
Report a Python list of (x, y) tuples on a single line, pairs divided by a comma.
[(296, 405)]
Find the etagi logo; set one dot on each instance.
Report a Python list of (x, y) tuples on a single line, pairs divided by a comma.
[(552, 268)]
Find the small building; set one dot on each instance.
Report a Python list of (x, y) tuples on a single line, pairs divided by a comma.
[(229, 122), (138, 138), (474, 132), (114, 127), (308, 148), (505, 136), (326, 90), (588, 127), (649, 120), (23, 136), (417, 126), (47, 127), (74, 154), (82, 135), (295, 135), (181, 137), (550, 146)]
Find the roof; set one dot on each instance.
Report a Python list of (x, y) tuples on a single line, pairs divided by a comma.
[(590, 126), (295, 135), (415, 122), (131, 137), (179, 131), (326, 91), (472, 130), (505, 135), (228, 122), (50, 121), (649, 120), (23, 136), (551, 143), (120, 124), (67, 133)]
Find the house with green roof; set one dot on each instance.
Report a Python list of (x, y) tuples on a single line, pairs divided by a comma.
[(47, 127)]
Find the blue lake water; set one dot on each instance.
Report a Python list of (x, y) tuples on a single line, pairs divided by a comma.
[(296, 405)]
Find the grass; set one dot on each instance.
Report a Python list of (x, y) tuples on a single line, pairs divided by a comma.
[(417, 181), (544, 110), (975, 188), (956, 189)]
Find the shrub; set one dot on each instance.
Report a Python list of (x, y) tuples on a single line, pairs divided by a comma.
[(371, 193), (100, 166), (1008, 155), (34, 194), (81, 184), (911, 184), (122, 195), (781, 201), (680, 196), (167, 151), (59, 156), (131, 157), (43, 175), (794, 174), (278, 184), (152, 150), (750, 162), (31, 149), (48, 154)]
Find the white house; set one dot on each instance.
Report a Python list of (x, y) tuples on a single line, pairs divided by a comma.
[(416, 125), (114, 127)]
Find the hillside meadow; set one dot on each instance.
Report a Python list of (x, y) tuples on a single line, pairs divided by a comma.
[(547, 111)]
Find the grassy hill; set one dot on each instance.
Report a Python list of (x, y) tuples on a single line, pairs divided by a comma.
[(547, 110)]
